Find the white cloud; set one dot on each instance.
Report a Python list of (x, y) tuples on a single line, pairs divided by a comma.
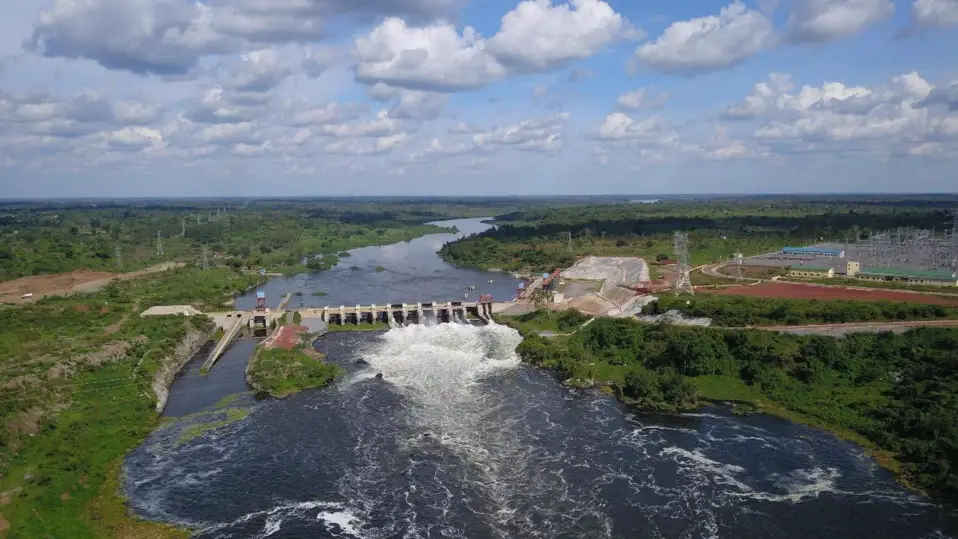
[(259, 71), (899, 117), (382, 126), (643, 98), (544, 134), (538, 35), (619, 126), (828, 20), (135, 112), (413, 105), (146, 36), (134, 137), (934, 14), (317, 60), (380, 146), (329, 113), (708, 43), (429, 58)]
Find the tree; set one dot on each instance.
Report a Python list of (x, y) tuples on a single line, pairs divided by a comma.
[(661, 256)]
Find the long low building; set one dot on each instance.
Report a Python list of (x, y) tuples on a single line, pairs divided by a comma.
[(813, 251), (900, 275), (811, 272)]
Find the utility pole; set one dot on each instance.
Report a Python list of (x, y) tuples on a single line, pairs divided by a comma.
[(683, 279)]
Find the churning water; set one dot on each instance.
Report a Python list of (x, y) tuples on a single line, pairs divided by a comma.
[(457, 438)]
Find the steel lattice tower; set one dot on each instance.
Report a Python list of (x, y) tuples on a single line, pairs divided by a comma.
[(683, 278)]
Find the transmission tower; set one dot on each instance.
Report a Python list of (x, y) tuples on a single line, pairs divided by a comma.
[(206, 258), (183, 227), (159, 243), (118, 256), (739, 262), (570, 241), (683, 278)]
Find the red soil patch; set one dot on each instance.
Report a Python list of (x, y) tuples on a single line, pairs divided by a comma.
[(65, 283), (287, 337), (804, 291)]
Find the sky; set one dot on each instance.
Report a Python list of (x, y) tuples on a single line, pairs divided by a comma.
[(126, 98)]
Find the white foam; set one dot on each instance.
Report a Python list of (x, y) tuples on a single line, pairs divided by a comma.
[(346, 521)]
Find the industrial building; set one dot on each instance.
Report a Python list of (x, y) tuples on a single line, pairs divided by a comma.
[(812, 251), (853, 270), (811, 272), (909, 276)]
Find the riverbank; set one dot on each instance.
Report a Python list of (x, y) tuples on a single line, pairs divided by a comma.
[(84, 377), (875, 390)]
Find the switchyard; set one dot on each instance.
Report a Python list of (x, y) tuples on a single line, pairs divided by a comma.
[(909, 255)]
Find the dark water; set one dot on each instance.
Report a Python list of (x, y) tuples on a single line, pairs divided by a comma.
[(413, 273), (459, 439)]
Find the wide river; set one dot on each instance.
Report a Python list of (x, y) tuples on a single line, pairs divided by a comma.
[(460, 439)]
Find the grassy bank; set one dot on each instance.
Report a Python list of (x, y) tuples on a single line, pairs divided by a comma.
[(740, 311), (365, 326), (280, 373), (889, 393), (77, 375)]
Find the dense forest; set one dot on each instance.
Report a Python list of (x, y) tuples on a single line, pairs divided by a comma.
[(44, 239), (542, 239), (742, 311), (894, 393)]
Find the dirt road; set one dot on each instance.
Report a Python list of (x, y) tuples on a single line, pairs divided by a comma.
[(838, 330), (69, 283)]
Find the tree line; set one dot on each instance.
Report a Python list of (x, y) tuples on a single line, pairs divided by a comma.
[(900, 392)]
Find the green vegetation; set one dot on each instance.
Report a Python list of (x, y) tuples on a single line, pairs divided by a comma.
[(380, 269), (538, 239), (378, 326), (838, 281), (209, 422), (319, 294), (279, 236), (741, 311), (77, 375), (280, 373), (894, 394)]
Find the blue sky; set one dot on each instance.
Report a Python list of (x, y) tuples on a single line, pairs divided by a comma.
[(476, 97)]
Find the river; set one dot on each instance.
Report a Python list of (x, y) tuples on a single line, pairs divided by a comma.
[(460, 439)]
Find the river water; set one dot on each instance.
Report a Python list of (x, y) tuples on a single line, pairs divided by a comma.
[(459, 439)]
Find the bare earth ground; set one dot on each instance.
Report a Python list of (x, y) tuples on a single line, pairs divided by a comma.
[(804, 291), (67, 283)]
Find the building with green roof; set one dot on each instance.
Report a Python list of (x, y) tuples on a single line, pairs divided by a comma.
[(910, 276)]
